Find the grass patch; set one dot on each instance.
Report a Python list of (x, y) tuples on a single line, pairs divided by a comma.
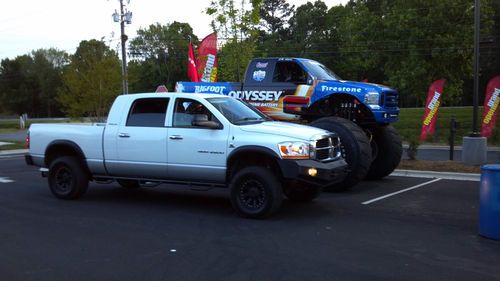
[(410, 124), (7, 130), (13, 145)]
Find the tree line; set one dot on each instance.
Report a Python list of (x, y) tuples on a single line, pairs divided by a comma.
[(405, 44)]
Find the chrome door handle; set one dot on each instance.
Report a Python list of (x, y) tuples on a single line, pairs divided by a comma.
[(176, 137), (124, 135)]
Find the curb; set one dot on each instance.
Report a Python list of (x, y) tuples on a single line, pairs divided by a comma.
[(13, 152), (447, 147), (441, 175)]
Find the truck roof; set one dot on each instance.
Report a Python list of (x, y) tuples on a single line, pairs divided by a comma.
[(284, 59), (172, 95)]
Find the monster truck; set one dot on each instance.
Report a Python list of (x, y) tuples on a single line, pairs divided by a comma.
[(305, 91)]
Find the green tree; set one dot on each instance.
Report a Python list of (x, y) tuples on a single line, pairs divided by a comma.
[(274, 15), (358, 31), (91, 81), (28, 82), (238, 25), (308, 29), (48, 65), (428, 41), (232, 20), (159, 56), (17, 85)]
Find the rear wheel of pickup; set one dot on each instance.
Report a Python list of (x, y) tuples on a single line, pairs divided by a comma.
[(67, 178), (387, 148), (302, 193), (255, 192), (355, 148)]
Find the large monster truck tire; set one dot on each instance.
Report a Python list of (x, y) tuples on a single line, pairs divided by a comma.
[(355, 147), (387, 150)]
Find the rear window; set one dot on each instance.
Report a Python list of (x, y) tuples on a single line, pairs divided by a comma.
[(149, 112)]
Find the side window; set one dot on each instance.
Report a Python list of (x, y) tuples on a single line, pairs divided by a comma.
[(290, 72), (187, 111), (148, 112)]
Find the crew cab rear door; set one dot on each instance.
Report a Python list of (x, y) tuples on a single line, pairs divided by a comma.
[(140, 141), (196, 153)]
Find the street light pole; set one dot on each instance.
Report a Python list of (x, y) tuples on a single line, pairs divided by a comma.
[(123, 17), (475, 97), (474, 147)]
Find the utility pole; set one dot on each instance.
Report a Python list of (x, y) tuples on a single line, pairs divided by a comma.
[(123, 17)]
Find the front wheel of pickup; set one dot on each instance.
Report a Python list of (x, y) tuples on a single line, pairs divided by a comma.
[(255, 192), (67, 178)]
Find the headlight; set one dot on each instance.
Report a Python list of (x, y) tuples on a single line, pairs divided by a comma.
[(372, 98), (294, 150)]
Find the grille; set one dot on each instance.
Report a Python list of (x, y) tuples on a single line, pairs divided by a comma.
[(327, 149), (391, 99)]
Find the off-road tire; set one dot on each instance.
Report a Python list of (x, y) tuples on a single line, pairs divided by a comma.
[(67, 178), (387, 147), (301, 193), (355, 147), (255, 192)]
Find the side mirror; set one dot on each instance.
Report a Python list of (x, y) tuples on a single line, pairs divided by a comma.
[(201, 120)]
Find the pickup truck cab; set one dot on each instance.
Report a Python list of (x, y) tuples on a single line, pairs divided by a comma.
[(195, 139)]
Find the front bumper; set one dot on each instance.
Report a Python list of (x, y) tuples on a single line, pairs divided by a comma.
[(327, 173), (386, 116)]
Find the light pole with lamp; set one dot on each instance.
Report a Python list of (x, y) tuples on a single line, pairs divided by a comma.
[(123, 17)]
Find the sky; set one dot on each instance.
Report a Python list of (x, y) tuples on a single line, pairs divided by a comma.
[(27, 25)]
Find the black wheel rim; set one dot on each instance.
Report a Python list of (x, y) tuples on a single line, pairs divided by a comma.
[(252, 195), (63, 180)]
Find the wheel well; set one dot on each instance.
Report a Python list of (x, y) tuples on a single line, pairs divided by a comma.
[(341, 105), (252, 158), (64, 148)]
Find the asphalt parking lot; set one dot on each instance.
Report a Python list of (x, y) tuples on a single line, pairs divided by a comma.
[(400, 228)]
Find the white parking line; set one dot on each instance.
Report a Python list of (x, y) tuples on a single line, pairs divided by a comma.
[(401, 191), (5, 180)]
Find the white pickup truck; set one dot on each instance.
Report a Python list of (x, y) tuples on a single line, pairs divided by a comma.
[(194, 139)]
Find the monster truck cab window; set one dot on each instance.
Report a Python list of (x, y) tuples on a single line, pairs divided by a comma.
[(149, 112), (289, 72), (187, 111)]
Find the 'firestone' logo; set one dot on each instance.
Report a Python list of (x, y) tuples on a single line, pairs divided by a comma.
[(341, 89)]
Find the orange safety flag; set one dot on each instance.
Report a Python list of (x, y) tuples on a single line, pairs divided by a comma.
[(490, 110), (431, 108), (191, 68), (207, 59)]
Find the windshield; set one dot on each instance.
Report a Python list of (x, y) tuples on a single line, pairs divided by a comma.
[(237, 111), (320, 71)]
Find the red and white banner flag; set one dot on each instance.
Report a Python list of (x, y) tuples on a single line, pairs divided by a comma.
[(490, 110), (207, 59), (192, 72), (432, 104)]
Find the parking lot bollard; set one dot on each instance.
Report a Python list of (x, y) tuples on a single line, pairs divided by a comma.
[(489, 196)]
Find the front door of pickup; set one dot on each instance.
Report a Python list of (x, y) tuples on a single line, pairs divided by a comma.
[(196, 153)]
